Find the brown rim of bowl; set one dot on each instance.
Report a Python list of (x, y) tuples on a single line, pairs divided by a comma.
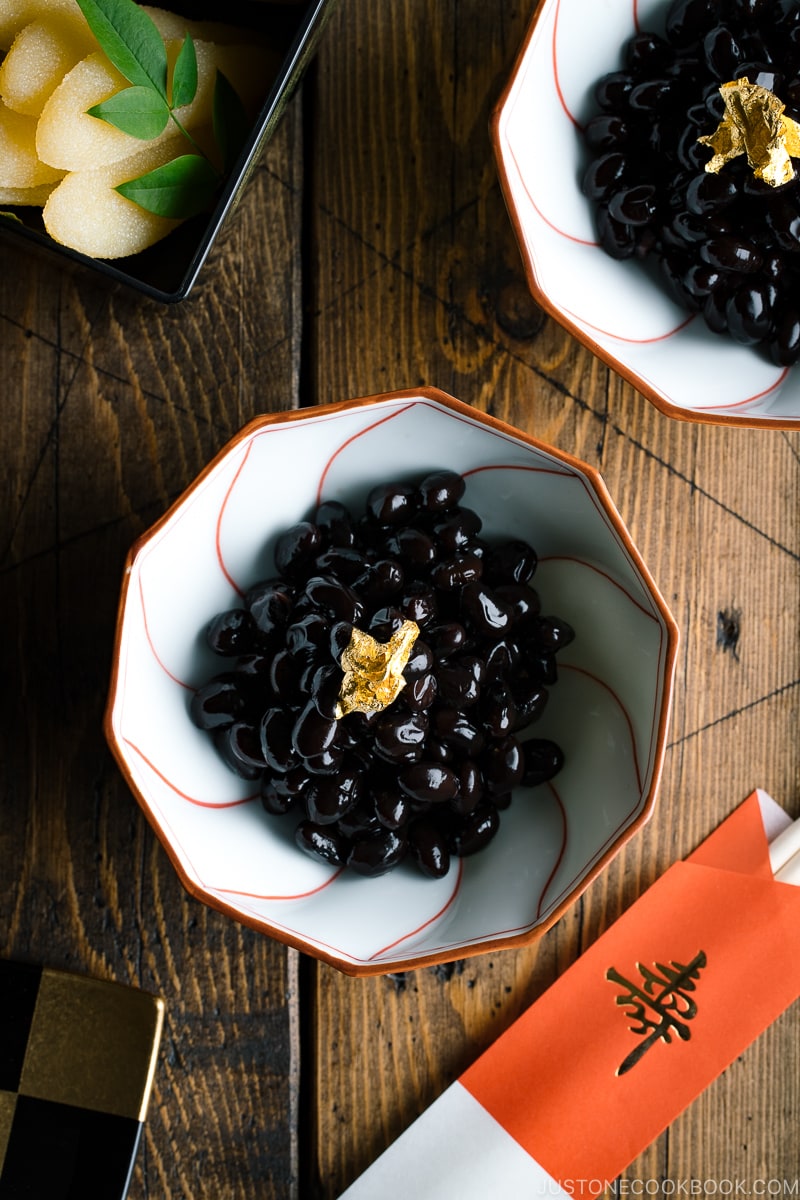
[(489, 946), (543, 300)]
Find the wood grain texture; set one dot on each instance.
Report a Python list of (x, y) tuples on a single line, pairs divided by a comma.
[(110, 407), (372, 251), (419, 281)]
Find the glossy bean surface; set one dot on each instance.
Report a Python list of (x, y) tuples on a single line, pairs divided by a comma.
[(425, 778)]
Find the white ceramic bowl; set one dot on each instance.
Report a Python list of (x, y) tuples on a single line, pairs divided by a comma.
[(609, 709), (615, 308)]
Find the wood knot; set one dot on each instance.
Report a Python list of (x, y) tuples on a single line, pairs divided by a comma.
[(728, 630)]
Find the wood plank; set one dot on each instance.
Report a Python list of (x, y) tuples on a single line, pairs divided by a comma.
[(419, 281), (111, 405)]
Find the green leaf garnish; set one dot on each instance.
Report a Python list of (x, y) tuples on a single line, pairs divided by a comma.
[(184, 75), (131, 41), (179, 189), (139, 111), (230, 121), (187, 185)]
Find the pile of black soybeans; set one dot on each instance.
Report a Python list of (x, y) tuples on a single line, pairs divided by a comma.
[(428, 775), (728, 244)]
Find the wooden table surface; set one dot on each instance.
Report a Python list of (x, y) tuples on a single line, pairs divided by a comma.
[(372, 252)]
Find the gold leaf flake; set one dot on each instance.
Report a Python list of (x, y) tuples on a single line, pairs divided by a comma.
[(754, 125), (373, 671)]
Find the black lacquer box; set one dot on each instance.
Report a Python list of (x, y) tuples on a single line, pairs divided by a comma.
[(77, 1059), (167, 271)]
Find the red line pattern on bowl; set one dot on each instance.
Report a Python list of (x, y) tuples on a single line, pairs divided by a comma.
[(569, 237), (567, 887), (185, 795), (425, 924), (656, 337), (266, 896), (556, 80), (601, 683), (750, 399), (188, 686), (560, 856), (349, 441), (561, 96), (554, 558), (562, 232), (573, 120), (662, 643), (738, 404), (514, 467), (517, 929), (221, 514)]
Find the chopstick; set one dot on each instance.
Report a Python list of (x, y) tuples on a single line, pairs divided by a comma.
[(790, 873), (784, 854)]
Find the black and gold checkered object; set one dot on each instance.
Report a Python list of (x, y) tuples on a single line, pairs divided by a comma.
[(77, 1058)]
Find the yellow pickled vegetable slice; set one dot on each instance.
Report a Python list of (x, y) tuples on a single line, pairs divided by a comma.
[(19, 165), (15, 14), (85, 212), (168, 24), (42, 53), (66, 137), (54, 155), (32, 197), (71, 140)]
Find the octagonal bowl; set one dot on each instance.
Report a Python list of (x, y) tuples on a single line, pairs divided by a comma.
[(618, 309), (608, 710)]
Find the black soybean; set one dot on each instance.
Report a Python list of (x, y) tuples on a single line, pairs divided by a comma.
[(334, 598), (428, 847), (391, 503), (231, 633), (543, 759), (441, 490), (456, 685), (420, 661), (377, 853), (426, 776), (551, 633), (489, 613), (456, 531), (399, 736), (418, 603), (429, 782), (275, 734), (295, 549), (392, 807), (269, 604), (727, 242), (329, 797), (511, 563), (474, 831), (217, 703), (454, 728), (420, 693), (239, 746), (321, 842), (503, 764), (334, 522), (312, 733)]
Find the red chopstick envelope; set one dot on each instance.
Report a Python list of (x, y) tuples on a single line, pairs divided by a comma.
[(552, 1079), (637, 1027)]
